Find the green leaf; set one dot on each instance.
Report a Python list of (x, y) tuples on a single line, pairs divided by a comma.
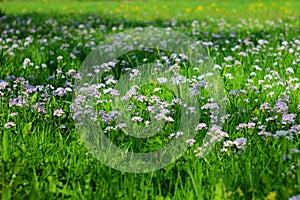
[(33, 98), (267, 179), (160, 197), (5, 146), (6, 193), (219, 190), (27, 128)]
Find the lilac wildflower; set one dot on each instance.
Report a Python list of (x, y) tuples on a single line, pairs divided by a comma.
[(9, 125), (288, 119), (281, 107), (241, 126), (58, 112), (240, 143), (137, 119), (190, 142), (13, 114), (295, 197)]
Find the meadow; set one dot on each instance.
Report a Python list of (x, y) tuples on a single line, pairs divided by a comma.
[(255, 50)]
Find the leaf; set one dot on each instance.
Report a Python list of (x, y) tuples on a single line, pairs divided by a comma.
[(6, 193), (160, 197), (267, 179), (27, 129), (33, 98), (5, 146), (219, 190)]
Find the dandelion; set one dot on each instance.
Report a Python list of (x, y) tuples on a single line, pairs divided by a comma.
[(199, 8)]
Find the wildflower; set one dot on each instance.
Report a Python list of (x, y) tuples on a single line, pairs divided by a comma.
[(114, 92), (156, 89), (257, 68), (289, 70), (58, 112), (136, 118), (241, 126), (265, 106), (281, 107), (229, 76), (3, 84), (194, 91), (179, 134), (134, 73), (264, 133), (59, 92), (295, 150), (251, 125), (9, 125), (20, 102), (288, 118), (200, 126), (26, 62), (217, 67), (162, 80), (190, 142), (44, 65), (295, 197), (39, 109), (59, 58), (281, 133), (171, 135), (13, 114), (228, 58), (286, 157), (240, 143), (216, 134)]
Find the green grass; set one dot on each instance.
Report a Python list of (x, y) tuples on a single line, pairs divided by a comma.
[(41, 160), (152, 10)]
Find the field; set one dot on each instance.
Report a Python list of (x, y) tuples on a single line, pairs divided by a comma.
[(246, 93)]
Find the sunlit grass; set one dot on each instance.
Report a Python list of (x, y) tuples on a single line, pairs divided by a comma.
[(255, 46)]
